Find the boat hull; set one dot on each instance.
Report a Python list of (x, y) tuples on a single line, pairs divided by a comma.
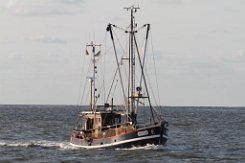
[(151, 135)]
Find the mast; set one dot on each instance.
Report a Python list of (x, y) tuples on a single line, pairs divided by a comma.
[(132, 54), (93, 88), (132, 57)]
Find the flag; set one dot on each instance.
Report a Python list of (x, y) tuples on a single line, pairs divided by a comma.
[(87, 52)]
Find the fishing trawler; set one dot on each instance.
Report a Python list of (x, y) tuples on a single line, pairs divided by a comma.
[(112, 125)]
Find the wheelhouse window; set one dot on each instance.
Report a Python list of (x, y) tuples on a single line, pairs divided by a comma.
[(111, 119)]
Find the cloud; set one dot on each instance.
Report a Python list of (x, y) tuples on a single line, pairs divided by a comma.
[(49, 39), (43, 7)]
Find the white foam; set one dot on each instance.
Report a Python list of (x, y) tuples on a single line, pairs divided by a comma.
[(146, 147), (38, 143)]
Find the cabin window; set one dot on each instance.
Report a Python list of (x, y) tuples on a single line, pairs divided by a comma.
[(111, 120)]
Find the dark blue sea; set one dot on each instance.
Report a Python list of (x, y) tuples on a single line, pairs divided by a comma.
[(40, 134)]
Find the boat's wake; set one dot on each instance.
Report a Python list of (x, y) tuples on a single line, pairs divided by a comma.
[(169, 148), (66, 145), (38, 143), (146, 147)]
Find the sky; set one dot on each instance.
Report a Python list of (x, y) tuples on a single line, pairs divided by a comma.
[(199, 45)]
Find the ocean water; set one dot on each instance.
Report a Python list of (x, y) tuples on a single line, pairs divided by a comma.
[(39, 134)]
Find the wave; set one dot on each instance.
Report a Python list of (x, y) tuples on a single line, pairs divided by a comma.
[(38, 143), (178, 147)]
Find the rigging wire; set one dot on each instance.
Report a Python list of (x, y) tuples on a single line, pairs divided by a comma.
[(118, 41), (85, 84), (106, 52), (104, 65), (80, 83), (115, 88), (111, 85), (156, 78), (111, 47), (156, 110), (124, 53)]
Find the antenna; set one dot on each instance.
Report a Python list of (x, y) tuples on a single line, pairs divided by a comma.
[(132, 8)]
